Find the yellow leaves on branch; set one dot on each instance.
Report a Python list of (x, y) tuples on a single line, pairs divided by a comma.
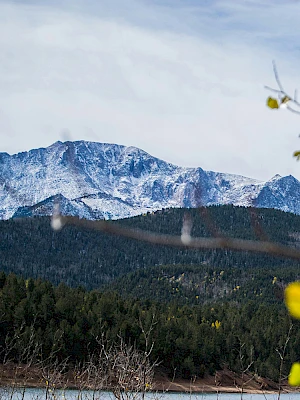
[(292, 299), (283, 98), (274, 103), (294, 376)]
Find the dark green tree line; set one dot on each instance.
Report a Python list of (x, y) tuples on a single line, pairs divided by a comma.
[(188, 340)]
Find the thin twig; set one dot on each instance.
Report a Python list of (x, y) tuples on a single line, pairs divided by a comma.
[(277, 77)]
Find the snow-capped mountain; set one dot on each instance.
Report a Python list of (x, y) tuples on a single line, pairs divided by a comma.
[(100, 180)]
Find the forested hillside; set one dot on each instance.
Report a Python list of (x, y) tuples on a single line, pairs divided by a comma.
[(93, 259), (197, 284), (187, 340), (211, 308)]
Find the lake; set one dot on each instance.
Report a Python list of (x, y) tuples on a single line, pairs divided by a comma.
[(39, 394)]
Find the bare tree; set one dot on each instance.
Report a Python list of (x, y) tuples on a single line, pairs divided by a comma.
[(130, 372), (97, 372), (121, 367), (53, 369), (245, 368), (20, 355), (282, 352)]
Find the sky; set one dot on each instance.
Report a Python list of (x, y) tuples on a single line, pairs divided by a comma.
[(181, 79)]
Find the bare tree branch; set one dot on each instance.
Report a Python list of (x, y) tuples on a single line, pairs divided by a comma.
[(277, 77), (284, 97), (198, 243)]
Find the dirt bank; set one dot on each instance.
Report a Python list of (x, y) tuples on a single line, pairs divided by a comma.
[(224, 381)]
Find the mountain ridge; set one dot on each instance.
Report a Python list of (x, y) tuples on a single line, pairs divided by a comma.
[(102, 180)]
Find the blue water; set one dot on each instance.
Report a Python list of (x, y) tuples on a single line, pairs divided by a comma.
[(39, 394)]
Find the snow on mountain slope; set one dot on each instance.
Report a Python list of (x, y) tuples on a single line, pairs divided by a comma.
[(100, 180)]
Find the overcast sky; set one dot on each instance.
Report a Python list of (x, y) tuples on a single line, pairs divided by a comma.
[(181, 79)]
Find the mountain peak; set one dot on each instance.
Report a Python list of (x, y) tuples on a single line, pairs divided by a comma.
[(105, 180), (276, 177)]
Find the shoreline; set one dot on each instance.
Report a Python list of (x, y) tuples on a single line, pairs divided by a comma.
[(224, 381), (209, 385), (175, 388)]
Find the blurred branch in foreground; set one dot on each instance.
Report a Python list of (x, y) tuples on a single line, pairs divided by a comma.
[(199, 243)]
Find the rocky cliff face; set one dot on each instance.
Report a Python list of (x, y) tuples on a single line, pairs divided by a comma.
[(99, 180)]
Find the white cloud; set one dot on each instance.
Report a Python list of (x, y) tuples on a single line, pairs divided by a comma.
[(181, 81)]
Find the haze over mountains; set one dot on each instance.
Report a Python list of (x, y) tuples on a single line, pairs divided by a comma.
[(100, 180)]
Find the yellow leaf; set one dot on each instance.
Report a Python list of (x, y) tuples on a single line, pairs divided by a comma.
[(292, 299), (294, 376), (297, 154), (272, 103)]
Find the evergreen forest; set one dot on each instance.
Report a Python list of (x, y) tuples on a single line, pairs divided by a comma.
[(209, 309)]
